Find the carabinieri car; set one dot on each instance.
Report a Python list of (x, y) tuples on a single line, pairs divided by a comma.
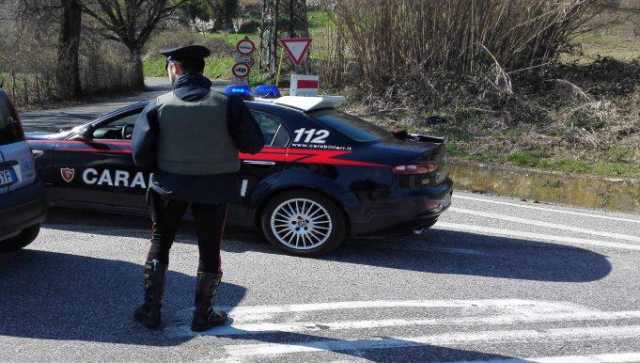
[(324, 175)]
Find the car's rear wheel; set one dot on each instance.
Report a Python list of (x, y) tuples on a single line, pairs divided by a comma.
[(20, 241), (303, 223)]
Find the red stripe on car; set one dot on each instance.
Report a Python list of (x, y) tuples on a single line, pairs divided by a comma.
[(293, 155)]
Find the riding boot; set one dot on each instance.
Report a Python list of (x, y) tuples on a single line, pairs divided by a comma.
[(154, 277), (204, 316)]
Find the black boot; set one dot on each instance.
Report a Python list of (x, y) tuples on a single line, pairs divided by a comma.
[(205, 317), (154, 277)]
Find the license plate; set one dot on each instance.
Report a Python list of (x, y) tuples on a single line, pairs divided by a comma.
[(7, 177)]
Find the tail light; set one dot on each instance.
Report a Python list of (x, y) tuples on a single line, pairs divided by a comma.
[(416, 169)]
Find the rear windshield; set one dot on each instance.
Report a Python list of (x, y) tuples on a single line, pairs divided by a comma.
[(10, 131), (352, 127)]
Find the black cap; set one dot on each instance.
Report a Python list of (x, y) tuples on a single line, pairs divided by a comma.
[(186, 53)]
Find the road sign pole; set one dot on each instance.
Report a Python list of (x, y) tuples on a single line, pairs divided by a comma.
[(279, 67)]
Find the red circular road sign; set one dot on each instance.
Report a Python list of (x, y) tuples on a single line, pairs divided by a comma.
[(246, 46), (241, 70)]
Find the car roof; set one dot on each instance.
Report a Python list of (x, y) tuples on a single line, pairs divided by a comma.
[(287, 103), (306, 104)]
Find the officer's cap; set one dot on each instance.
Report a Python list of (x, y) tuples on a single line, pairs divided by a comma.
[(190, 52)]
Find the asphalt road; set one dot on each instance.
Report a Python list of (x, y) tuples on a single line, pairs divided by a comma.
[(495, 280), (62, 118)]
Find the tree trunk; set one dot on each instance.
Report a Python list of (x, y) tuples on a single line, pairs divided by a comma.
[(228, 25), (269, 37), (68, 69), (136, 72)]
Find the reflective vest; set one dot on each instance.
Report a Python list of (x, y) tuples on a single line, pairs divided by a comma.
[(193, 137)]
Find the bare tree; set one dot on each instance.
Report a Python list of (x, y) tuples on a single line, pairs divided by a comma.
[(296, 11), (68, 67), (131, 22), (69, 12), (224, 11)]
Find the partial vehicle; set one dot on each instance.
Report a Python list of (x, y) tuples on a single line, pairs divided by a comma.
[(23, 205), (322, 176)]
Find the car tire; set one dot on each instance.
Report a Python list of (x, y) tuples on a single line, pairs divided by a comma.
[(316, 227), (20, 241)]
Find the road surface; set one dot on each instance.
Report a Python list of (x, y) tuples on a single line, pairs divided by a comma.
[(496, 279)]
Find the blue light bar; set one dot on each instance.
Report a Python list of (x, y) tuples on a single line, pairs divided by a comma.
[(237, 89), (267, 91)]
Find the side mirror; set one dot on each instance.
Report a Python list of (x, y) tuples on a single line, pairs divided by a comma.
[(85, 134), (400, 134)]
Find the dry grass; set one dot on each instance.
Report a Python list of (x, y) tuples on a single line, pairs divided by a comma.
[(388, 38), (515, 81)]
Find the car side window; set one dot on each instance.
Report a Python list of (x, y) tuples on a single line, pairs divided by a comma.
[(120, 128), (275, 134)]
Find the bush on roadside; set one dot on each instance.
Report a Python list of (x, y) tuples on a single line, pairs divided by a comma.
[(492, 70)]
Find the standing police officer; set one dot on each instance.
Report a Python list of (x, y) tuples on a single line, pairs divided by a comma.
[(190, 139)]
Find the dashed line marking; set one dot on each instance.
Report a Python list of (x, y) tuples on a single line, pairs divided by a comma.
[(530, 236), (553, 210), (536, 223), (596, 358)]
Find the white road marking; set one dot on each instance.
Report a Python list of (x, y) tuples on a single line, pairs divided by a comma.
[(446, 339), (501, 232), (596, 358), (386, 304), (552, 210), (507, 319), (536, 223)]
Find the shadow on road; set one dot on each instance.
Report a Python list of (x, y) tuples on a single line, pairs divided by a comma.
[(461, 253), (64, 297), (58, 296), (439, 251)]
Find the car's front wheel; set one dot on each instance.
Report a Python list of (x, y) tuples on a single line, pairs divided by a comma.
[(20, 241), (303, 223)]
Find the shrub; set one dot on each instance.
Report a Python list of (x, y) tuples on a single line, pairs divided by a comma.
[(390, 38)]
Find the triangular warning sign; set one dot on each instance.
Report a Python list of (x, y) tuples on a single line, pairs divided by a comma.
[(296, 48)]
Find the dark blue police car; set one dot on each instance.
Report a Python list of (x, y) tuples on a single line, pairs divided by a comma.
[(323, 175)]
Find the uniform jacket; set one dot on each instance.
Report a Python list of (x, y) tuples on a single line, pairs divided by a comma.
[(204, 189)]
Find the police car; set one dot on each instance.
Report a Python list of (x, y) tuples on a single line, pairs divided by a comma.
[(322, 176)]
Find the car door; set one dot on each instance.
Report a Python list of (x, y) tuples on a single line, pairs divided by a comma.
[(258, 169), (97, 169)]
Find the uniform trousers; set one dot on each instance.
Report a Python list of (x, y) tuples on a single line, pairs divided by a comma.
[(166, 216)]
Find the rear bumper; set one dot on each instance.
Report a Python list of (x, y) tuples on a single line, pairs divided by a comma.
[(403, 211), (22, 209)]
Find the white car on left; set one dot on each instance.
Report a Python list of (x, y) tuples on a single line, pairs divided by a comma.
[(23, 204)]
